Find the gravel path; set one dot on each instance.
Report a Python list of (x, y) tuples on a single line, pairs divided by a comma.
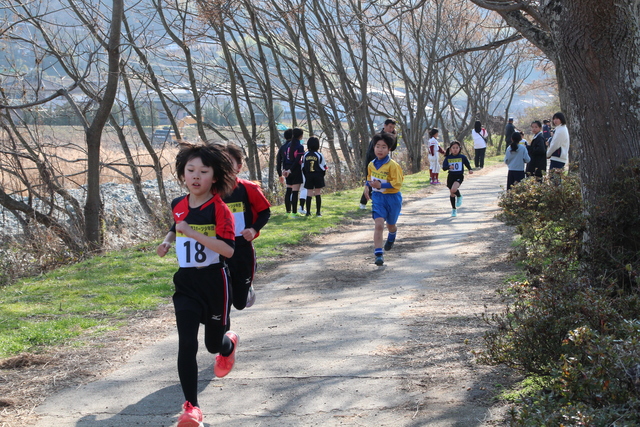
[(335, 340)]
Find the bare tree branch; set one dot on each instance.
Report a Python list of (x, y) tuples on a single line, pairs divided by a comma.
[(489, 46)]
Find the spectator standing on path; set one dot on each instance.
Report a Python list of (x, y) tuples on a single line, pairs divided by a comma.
[(314, 168), (434, 156), (280, 157), (390, 129), (509, 129), (455, 163), (538, 152), (204, 234), (384, 177), (515, 158), (479, 135), (558, 150), (251, 211), (292, 169)]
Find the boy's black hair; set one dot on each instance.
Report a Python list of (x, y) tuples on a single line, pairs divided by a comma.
[(559, 115), (389, 121), (235, 152), (313, 144), (452, 144), (545, 121), (288, 134), (477, 126), (297, 133), (433, 131), (516, 137), (383, 136), (212, 155), (538, 123)]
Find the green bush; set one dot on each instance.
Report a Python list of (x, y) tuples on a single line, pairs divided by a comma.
[(530, 334), (550, 220), (574, 319), (597, 382)]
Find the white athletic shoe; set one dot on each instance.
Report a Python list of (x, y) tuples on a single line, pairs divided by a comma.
[(251, 298), (301, 211), (363, 206)]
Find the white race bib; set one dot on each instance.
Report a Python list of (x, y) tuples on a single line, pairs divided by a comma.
[(457, 165), (381, 178), (237, 209), (192, 253)]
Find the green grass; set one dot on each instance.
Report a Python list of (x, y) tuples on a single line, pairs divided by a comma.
[(95, 295), (527, 387), (88, 297)]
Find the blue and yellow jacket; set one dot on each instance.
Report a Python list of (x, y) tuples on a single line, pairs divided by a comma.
[(388, 172)]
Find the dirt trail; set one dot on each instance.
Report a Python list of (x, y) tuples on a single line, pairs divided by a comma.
[(335, 340)]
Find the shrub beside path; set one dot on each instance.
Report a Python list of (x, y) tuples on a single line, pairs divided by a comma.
[(335, 340)]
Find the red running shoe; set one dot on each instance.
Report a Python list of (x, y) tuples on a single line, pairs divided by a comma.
[(224, 364), (191, 417)]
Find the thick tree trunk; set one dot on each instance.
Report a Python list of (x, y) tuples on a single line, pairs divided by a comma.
[(595, 46), (598, 56)]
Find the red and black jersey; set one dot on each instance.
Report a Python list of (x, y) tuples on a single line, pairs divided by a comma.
[(213, 218), (248, 206)]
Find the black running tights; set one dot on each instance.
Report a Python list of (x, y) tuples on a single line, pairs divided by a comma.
[(453, 199), (188, 324)]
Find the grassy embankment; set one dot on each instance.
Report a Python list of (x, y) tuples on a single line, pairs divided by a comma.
[(99, 294)]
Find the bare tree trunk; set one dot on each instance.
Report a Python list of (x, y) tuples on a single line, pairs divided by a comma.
[(193, 81), (93, 205), (235, 80), (135, 178), (157, 166), (314, 70), (267, 97)]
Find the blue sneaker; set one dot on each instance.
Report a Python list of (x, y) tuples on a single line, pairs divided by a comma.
[(388, 245), (454, 212), (379, 260), (458, 201)]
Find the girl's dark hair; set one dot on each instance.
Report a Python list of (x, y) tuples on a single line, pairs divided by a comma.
[(297, 133), (516, 137), (288, 134), (451, 145), (212, 155), (235, 152), (537, 122), (433, 131), (561, 117), (477, 126), (313, 143)]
